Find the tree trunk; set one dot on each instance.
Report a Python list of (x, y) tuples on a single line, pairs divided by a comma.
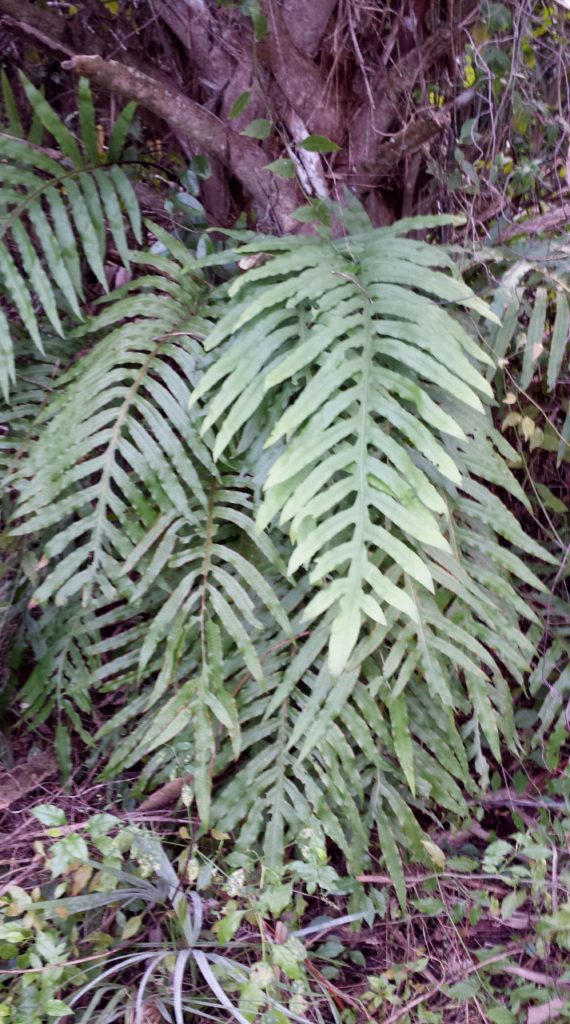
[(338, 70)]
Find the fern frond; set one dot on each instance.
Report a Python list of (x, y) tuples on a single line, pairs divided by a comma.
[(323, 414), (129, 457), (532, 300), (358, 327), (54, 209)]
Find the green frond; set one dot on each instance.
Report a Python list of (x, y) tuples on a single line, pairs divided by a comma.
[(531, 300), (55, 207), (129, 459), (374, 360)]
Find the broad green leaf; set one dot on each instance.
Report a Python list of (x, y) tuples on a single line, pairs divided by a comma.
[(87, 120), (258, 129), (52, 122), (11, 107), (283, 168), (128, 197), (559, 339), (86, 230), (38, 278), (18, 294), (402, 738), (57, 1008), (113, 214), (120, 131), (49, 814), (239, 105), (7, 363), (229, 925), (534, 338), (319, 144), (391, 856), (66, 238)]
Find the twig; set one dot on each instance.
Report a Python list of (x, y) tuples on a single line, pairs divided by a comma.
[(341, 998), (554, 877), (426, 996), (504, 798), (537, 977)]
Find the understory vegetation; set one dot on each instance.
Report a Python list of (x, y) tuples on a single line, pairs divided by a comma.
[(284, 614)]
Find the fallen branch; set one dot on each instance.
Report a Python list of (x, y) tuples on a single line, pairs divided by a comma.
[(411, 139), (545, 222), (31, 19)]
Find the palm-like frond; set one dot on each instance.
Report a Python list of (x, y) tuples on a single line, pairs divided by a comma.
[(135, 516), (530, 293), (56, 206), (377, 363), (532, 300), (129, 458)]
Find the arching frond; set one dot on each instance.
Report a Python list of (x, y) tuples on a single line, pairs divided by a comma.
[(56, 207), (274, 537), (371, 435)]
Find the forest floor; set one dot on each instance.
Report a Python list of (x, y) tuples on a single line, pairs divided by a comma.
[(484, 936)]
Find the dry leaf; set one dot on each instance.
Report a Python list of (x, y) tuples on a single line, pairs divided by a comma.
[(254, 260), (546, 1011), (80, 877), (527, 427)]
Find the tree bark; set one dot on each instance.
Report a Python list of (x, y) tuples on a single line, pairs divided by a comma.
[(301, 77), (307, 23)]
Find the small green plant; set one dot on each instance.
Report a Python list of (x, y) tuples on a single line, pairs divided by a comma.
[(119, 920), (122, 921)]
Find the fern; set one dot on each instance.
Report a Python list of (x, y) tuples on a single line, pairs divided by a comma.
[(273, 531), (531, 343), (533, 289), (55, 208), (549, 684), (134, 461), (375, 426)]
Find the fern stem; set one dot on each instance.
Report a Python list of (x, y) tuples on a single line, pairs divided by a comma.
[(361, 504), (206, 570)]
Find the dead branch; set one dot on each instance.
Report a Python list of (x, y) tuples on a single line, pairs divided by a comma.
[(33, 19)]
